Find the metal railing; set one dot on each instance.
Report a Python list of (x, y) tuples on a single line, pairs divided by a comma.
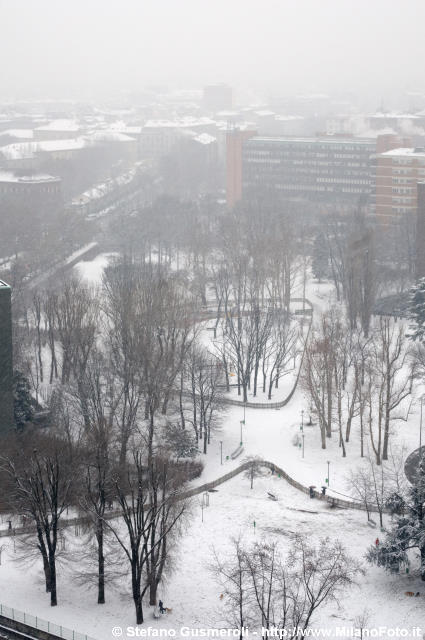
[(34, 622)]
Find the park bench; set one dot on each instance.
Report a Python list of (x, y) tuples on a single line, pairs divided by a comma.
[(237, 452)]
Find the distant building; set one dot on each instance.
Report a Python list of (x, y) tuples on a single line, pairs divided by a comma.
[(116, 143), (217, 97), (420, 233), (324, 169), (158, 138), (58, 130), (398, 172), (33, 187), (6, 372), (234, 143), (31, 155)]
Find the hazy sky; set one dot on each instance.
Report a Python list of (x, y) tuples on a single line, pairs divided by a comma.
[(72, 48)]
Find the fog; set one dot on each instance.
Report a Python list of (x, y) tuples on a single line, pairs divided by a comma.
[(87, 49)]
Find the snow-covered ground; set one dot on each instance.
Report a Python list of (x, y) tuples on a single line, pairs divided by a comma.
[(92, 270), (191, 590)]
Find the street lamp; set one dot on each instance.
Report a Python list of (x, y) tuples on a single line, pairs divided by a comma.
[(303, 445), (328, 472), (221, 451), (241, 423)]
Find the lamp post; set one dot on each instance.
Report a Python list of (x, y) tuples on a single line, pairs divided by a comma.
[(221, 451), (241, 423), (303, 445), (328, 472), (302, 419)]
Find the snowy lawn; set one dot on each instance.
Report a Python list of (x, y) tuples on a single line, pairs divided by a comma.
[(192, 591)]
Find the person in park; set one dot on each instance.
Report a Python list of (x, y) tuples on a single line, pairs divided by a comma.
[(162, 609)]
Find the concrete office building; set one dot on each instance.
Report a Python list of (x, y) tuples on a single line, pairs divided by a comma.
[(6, 392), (324, 169)]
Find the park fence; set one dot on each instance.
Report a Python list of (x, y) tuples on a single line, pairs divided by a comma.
[(279, 405), (25, 623)]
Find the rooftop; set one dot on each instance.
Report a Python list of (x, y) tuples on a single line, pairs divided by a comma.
[(11, 176), (406, 152), (326, 140), (205, 138), (60, 125), (401, 116), (26, 134), (110, 136), (185, 122), (21, 150)]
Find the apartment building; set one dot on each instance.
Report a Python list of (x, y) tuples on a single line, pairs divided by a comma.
[(398, 172), (6, 393)]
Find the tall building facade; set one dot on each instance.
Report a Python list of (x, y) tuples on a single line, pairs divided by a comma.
[(313, 168), (398, 172), (322, 169), (420, 232), (6, 392), (234, 141)]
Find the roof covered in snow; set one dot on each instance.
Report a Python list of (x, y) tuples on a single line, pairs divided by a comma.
[(205, 138), (18, 133), (22, 150), (110, 136), (187, 122), (60, 125), (11, 176), (406, 152)]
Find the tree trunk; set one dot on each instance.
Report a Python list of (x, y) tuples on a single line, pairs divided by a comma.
[(53, 595), (101, 564), (139, 609), (423, 563)]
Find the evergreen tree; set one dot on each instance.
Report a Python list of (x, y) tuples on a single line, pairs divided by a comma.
[(23, 402), (407, 532), (417, 311)]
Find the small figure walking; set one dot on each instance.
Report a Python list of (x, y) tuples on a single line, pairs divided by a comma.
[(162, 609), (377, 542)]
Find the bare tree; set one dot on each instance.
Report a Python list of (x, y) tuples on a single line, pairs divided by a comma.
[(269, 589), (42, 485), (203, 373), (150, 512)]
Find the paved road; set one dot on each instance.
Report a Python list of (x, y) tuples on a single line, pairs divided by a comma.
[(411, 466)]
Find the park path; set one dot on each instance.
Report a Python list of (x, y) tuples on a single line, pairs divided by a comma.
[(208, 486)]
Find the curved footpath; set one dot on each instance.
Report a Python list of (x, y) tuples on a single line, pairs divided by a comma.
[(335, 502), (284, 402), (331, 500)]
